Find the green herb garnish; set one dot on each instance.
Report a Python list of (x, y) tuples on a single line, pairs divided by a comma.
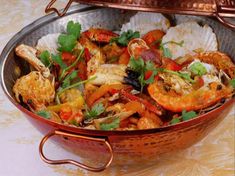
[(184, 117), (44, 114), (95, 111), (67, 80), (110, 126), (74, 29), (232, 82), (45, 58), (188, 115), (125, 37), (57, 59), (66, 42), (72, 65), (198, 68), (138, 65), (174, 121), (75, 85)]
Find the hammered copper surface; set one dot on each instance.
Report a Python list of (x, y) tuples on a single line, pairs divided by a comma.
[(128, 146), (217, 8)]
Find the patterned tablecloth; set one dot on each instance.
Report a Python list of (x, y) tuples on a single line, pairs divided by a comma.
[(213, 156)]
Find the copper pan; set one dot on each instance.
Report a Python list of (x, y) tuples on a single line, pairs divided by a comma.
[(116, 147), (216, 8)]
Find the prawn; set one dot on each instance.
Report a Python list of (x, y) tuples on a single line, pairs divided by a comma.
[(195, 100), (192, 99), (220, 60)]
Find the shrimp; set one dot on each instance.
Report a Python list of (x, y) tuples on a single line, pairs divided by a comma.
[(195, 100), (182, 96), (100, 35), (220, 60)]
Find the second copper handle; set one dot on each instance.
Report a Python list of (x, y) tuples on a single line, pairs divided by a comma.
[(49, 8), (73, 162)]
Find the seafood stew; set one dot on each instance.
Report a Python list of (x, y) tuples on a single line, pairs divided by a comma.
[(135, 79)]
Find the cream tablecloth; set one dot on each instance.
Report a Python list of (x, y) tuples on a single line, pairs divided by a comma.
[(213, 156)]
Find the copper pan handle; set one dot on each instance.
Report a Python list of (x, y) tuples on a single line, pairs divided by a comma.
[(73, 162), (49, 8), (226, 23)]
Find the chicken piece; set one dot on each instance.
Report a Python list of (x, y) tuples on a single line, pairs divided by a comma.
[(36, 91), (29, 54)]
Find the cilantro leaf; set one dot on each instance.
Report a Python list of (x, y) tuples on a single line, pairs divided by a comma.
[(57, 59), (198, 68), (188, 115), (44, 113), (110, 126), (74, 29), (65, 69), (174, 121), (60, 91), (66, 82), (67, 42), (136, 64), (95, 111), (45, 58), (232, 82), (125, 37)]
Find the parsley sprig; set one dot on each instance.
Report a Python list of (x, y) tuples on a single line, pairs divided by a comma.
[(95, 111), (68, 79), (65, 69), (45, 58), (198, 68), (110, 126), (125, 37), (45, 114), (184, 117), (68, 41), (232, 82), (61, 90), (141, 67)]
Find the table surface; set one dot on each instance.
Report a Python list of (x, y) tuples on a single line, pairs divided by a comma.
[(213, 156)]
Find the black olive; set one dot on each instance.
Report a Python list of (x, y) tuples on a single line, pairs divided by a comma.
[(133, 82), (132, 74)]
